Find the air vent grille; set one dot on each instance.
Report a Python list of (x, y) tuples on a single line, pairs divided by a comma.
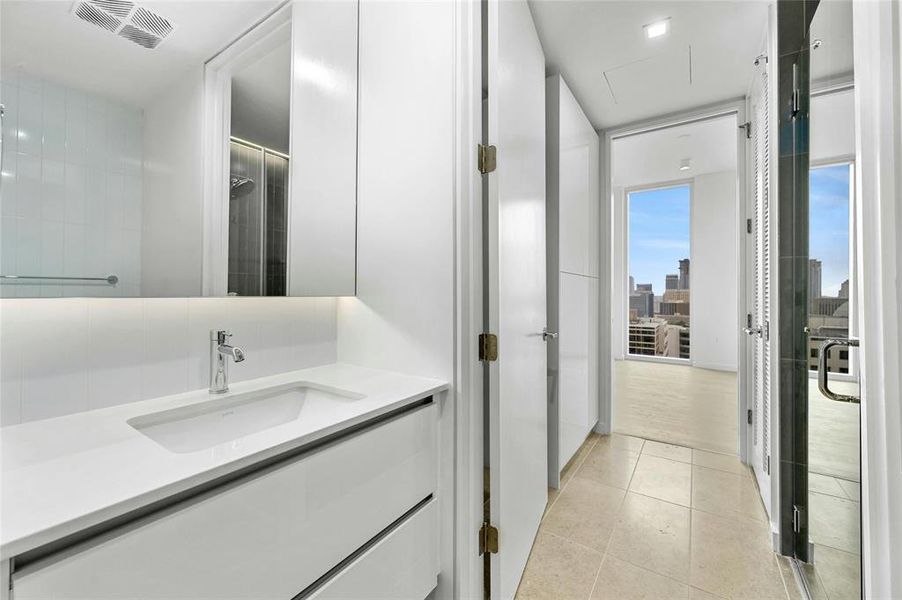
[(119, 8), (151, 22), (126, 19), (87, 12), (140, 37)]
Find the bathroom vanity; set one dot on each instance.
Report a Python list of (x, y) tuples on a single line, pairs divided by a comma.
[(318, 483)]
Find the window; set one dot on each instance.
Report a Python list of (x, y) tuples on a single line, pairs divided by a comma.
[(658, 261), (814, 352), (829, 264)]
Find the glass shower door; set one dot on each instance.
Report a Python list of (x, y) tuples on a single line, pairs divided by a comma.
[(258, 215)]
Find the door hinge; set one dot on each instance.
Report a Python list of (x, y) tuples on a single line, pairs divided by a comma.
[(748, 129), (748, 320), (487, 158), (767, 464), (767, 330), (748, 225), (796, 518), (748, 416), (488, 539), (488, 347)]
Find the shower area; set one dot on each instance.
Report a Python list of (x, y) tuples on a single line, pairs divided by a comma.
[(258, 206)]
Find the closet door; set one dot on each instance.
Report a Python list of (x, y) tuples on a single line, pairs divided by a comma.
[(518, 420), (759, 327)]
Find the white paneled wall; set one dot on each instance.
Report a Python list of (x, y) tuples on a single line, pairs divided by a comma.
[(573, 286), (71, 199), (66, 355)]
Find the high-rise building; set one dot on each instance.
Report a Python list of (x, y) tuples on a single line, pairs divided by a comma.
[(684, 274), (671, 282), (643, 301), (844, 289), (647, 337), (643, 287), (632, 285), (814, 282)]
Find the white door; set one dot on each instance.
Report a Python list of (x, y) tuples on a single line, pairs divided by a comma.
[(518, 427), (761, 316)]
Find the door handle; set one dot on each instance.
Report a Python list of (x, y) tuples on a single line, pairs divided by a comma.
[(822, 381), (549, 334)]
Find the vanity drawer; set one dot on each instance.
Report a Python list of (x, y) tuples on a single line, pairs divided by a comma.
[(270, 535), (401, 565)]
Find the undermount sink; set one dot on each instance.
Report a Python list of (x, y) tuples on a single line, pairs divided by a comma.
[(221, 420)]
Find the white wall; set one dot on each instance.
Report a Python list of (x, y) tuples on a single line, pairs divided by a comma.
[(71, 196), (172, 242), (403, 316), (572, 220), (714, 272), (67, 355)]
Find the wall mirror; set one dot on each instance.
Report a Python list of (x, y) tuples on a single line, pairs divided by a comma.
[(178, 149)]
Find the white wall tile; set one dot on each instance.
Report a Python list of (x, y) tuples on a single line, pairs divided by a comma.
[(165, 364), (54, 122), (79, 162), (53, 190), (116, 348), (52, 339), (10, 363), (59, 356), (30, 131), (28, 186)]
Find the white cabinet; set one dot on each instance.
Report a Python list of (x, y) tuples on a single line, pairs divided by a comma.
[(572, 192), (402, 564), (272, 534)]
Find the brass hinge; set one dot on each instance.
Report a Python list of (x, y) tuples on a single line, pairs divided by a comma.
[(748, 417), (748, 225), (487, 158), (488, 539), (488, 347)]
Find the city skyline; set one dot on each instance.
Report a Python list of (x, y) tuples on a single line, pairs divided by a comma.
[(829, 224), (658, 234)]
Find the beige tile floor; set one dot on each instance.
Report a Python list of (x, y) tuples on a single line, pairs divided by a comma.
[(697, 408), (643, 519)]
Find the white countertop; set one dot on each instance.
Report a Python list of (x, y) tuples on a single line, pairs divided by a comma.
[(60, 476)]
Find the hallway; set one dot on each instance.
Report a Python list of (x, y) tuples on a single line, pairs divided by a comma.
[(642, 519)]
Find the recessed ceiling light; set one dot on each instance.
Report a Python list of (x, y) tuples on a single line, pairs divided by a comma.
[(657, 29), (684, 165)]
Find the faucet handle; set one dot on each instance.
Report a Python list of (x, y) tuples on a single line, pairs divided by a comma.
[(220, 336)]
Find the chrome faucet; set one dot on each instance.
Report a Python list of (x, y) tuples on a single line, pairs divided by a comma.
[(220, 350)]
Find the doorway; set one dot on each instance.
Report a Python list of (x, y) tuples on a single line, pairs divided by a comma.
[(676, 284)]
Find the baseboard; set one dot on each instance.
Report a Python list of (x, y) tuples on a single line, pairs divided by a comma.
[(715, 366)]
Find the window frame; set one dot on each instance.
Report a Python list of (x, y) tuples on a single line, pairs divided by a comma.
[(627, 191)]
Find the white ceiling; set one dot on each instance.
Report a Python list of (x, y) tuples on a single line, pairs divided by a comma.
[(654, 157), (261, 95), (596, 43), (45, 39)]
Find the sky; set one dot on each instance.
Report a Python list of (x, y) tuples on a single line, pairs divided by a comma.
[(659, 229), (829, 222), (658, 234)]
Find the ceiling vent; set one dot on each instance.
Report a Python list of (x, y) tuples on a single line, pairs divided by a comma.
[(126, 19)]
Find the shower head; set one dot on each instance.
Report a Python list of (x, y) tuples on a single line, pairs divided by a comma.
[(240, 186)]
